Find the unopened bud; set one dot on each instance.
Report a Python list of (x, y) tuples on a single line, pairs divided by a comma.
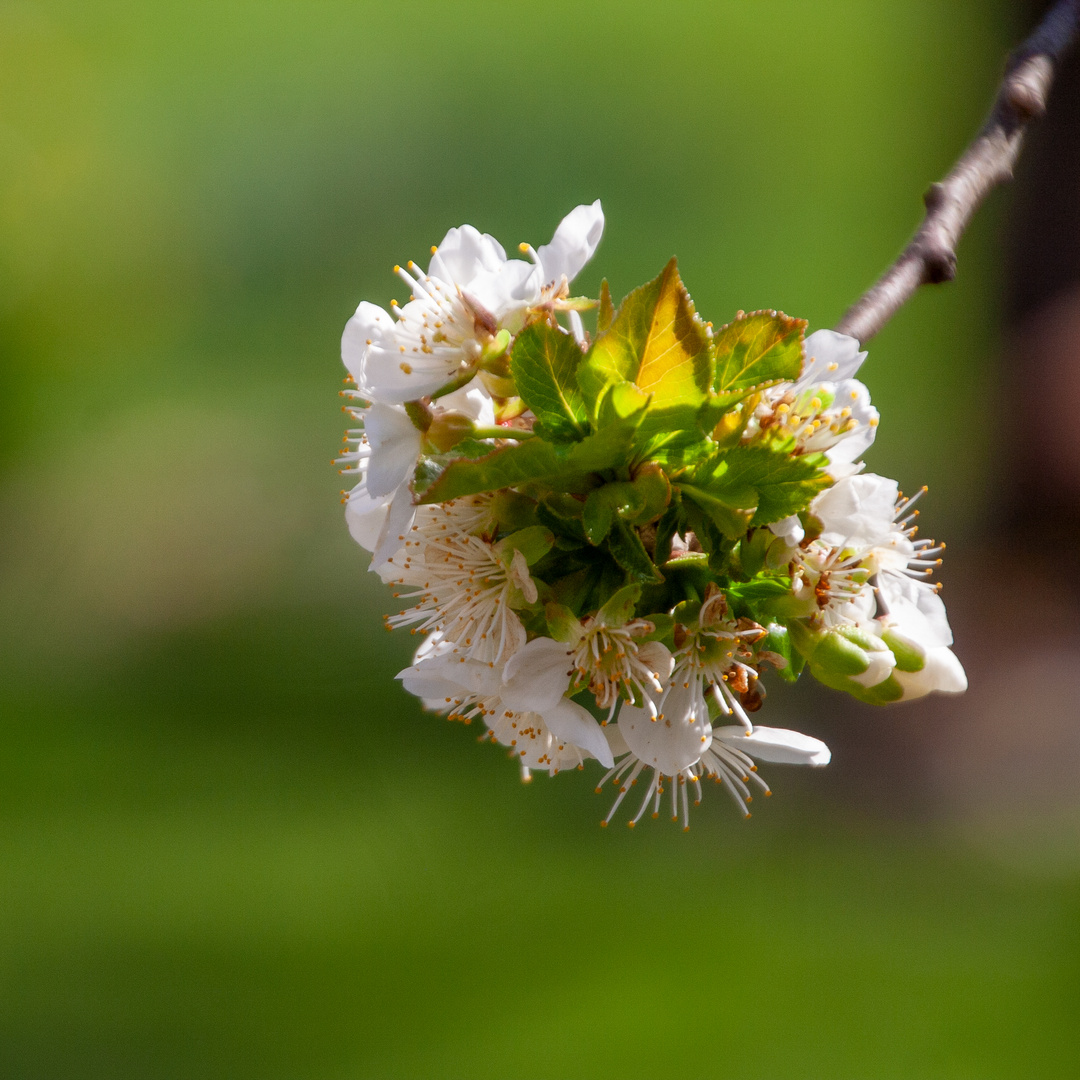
[(850, 658), (447, 429)]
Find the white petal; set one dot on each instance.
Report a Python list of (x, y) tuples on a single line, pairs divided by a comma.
[(776, 744), (789, 529), (615, 740), (658, 657), (365, 517), (395, 448), (577, 327), (942, 672), (674, 741), (572, 723), (830, 357), (428, 686), (858, 510), (537, 676), (853, 444), (472, 400), (916, 611), (464, 253), (574, 242), (386, 380), (507, 291), (397, 525), (370, 325)]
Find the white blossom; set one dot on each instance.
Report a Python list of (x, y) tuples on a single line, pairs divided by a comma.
[(464, 587), (915, 623), (826, 409), (682, 746), (602, 654), (456, 311), (383, 452), (712, 659), (550, 732), (869, 535)]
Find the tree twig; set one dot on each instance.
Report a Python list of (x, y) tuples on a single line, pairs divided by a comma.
[(930, 257)]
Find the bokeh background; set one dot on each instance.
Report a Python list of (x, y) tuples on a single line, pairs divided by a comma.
[(230, 845)]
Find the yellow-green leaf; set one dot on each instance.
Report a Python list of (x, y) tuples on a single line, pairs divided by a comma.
[(757, 349), (656, 341), (675, 362)]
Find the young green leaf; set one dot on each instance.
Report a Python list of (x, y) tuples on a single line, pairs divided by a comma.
[(561, 465), (598, 515), (616, 355), (720, 507), (562, 623), (619, 610), (656, 341), (654, 490), (604, 503), (675, 364), (507, 466), (666, 529), (766, 479), (757, 349), (605, 314), (544, 365), (534, 542), (629, 552)]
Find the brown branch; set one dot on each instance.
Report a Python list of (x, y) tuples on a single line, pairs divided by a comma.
[(930, 257)]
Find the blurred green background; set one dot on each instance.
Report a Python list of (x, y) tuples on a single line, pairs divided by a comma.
[(230, 845)]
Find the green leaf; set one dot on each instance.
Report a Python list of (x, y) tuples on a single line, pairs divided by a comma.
[(513, 511), (603, 504), (666, 528), (616, 355), (656, 341), (765, 598), (757, 349), (432, 466), (675, 364), (677, 454), (730, 519), (605, 314), (752, 549), (778, 642), (561, 465), (562, 623), (663, 628), (689, 576), (768, 479), (607, 448), (534, 542), (629, 552), (598, 517), (507, 466), (619, 610), (544, 365), (654, 490)]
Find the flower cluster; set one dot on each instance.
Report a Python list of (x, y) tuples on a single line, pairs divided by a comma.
[(605, 538)]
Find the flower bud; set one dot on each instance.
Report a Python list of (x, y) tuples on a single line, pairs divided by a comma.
[(849, 658), (447, 429)]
